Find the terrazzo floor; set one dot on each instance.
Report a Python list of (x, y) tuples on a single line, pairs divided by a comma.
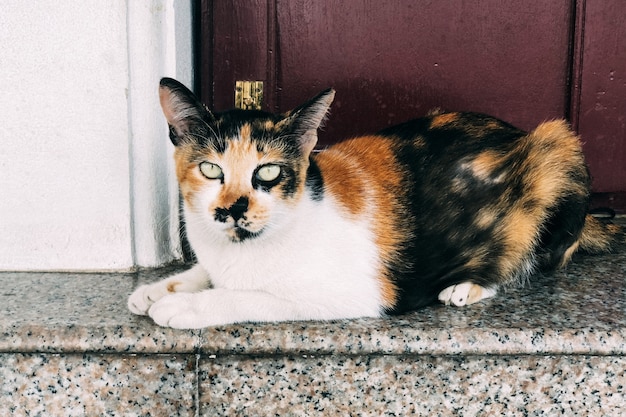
[(557, 346)]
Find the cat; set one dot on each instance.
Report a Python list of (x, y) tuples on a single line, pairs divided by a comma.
[(448, 207)]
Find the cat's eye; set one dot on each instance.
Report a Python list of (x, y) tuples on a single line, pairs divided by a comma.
[(211, 171), (268, 173)]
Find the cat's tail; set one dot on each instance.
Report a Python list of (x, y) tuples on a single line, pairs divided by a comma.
[(601, 237)]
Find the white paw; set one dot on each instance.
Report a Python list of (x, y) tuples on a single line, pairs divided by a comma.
[(465, 293), (456, 295), (144, 296), (180, 311)]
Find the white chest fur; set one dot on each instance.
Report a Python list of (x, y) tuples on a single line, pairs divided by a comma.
[(319, 257)]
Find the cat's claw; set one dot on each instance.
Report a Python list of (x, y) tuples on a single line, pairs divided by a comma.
[(144, 297), (465, 293)]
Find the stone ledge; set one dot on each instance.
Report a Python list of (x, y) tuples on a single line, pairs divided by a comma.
[(580, 310), (70, 347)]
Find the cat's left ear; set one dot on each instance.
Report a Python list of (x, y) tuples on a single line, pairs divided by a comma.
[(304, 120)]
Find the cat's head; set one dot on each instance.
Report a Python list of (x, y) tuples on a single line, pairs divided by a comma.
[(240, 171)]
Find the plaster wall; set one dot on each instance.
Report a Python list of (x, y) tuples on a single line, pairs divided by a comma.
[(85, 167)]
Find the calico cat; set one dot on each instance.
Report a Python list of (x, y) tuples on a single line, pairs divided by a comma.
[(447, 207)]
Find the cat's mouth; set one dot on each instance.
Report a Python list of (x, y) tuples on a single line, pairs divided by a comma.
[(239, 234), (237, 228)]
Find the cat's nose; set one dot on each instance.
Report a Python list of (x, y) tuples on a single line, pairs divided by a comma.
[(238, 208)]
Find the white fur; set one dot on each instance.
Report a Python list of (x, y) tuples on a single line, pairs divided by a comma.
[(465, 293), (310, 262)]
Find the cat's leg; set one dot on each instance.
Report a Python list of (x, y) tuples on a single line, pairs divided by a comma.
[(192, 280), (465, 293), (221, 306)]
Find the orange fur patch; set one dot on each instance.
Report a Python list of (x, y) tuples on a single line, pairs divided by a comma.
[(475, 294), (342, 181), (443, 119), (189, 179), (485, 218), (243, 149), (345, 168), (388, 291), (553, 146), (171, 286), (269, 125), (244, 155), (521, 231), (484, 164), (493, 125), (569, 253), (554, 152), (597, 237), (245, 133)]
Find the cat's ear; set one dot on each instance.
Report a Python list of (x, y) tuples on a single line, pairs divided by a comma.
[(305, 119), (185, 114)]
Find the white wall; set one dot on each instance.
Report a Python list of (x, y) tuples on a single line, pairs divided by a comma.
[(86, 181)]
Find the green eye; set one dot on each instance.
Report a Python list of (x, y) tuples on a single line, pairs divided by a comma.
[(211, 171), (268, 173)]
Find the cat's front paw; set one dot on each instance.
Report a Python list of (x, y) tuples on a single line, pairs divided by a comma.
[(180, 311), (144, 297)]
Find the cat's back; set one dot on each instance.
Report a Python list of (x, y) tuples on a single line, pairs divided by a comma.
[(385, 159), (452, 133), (453, 195)]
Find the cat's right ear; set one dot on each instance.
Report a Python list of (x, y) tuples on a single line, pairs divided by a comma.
[(185, 114)]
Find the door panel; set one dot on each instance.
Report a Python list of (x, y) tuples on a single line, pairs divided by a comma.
[(392, 60), (232, 46), (602, 114)]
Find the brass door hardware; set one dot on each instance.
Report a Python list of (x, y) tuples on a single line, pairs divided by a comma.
[(248, 95)]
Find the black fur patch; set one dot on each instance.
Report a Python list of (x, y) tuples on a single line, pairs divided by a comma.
[(314, 181)]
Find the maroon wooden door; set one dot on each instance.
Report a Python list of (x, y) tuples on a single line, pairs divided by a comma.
[(393, 60), (600, 96)]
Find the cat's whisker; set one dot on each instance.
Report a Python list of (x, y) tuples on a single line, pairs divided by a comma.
[(215, 135)]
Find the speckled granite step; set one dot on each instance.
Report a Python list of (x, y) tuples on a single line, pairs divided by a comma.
[(69, 347)]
